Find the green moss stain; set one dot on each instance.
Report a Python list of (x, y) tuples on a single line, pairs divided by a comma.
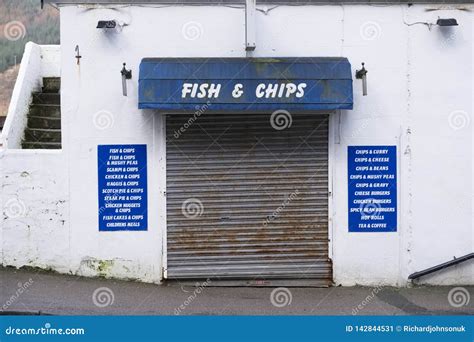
[(103, 266)]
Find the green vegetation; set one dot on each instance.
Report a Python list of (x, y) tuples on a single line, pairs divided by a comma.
[(22, 21)]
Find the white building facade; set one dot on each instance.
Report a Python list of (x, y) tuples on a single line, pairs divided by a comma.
[(253, 189)]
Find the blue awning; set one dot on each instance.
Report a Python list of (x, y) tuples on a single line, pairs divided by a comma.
[(245, 84)]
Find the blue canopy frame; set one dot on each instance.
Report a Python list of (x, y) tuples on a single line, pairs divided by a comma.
[(246, 84)]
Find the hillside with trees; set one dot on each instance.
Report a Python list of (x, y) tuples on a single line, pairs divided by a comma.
[(22, 21)]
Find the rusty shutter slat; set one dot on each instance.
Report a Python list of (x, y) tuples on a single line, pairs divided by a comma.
[(261, 197)]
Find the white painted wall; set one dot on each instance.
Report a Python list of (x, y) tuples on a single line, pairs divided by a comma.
[(438, 223), (35, 202), (417, 79), (34, 189)]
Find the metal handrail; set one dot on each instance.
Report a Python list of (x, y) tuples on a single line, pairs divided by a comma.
[(439, 267)]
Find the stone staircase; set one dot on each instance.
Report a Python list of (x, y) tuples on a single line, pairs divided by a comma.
[(43, 129)]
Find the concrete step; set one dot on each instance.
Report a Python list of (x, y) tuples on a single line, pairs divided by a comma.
[(43, 122), (40, 145), (46, 98), (53, 111), (44, 117), (42, 135), (51, 84)]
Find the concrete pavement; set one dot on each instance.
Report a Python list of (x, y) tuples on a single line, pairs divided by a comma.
[(33, 291)]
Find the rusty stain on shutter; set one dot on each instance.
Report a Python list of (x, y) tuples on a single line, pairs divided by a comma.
[(246, 200)]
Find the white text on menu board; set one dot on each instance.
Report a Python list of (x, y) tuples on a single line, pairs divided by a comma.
[(372, 197), (122, 192)]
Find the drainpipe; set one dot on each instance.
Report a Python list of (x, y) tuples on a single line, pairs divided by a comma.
[(250, 12)]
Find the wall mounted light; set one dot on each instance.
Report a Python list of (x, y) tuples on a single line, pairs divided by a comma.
[(126, 75), (447, 22), (361, 74), (111, 25), (106, 24)]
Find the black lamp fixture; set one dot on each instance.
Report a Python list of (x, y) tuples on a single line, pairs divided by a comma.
[(111, 25), (447, 22), (126, 75), (106, 24), (441, 22)]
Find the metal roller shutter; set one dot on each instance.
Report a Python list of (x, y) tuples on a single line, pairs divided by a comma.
[(245, 200)]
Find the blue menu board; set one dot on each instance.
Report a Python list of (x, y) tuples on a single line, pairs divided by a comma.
[(122, 187), (372, 173)]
